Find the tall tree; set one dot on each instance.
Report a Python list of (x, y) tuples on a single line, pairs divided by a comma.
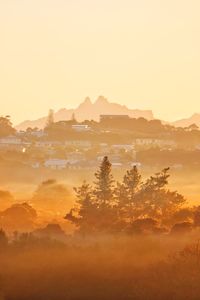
[(127, 194), (84, 214), (95, 211), (158, 201), (73, 118), (50, 118), (103, 189), (132, 182)]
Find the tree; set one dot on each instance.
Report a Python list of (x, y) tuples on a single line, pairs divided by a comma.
[(181, 228), (50, 118), (132, 181), (142, 226), (6, 128), (19, 216), (103, 189), (127, 194), (52, 195), (191, 127), (149, 199), (84, 214), (158, 181), (185, 214), (73, 118), (95, 211), (157, 201)]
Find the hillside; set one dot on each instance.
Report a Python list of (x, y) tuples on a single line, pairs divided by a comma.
[(194, 119)]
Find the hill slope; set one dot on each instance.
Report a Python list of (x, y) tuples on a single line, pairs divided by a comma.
[(194, 119)]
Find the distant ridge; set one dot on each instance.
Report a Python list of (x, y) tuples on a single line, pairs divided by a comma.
[(89, 111), (194, 119)]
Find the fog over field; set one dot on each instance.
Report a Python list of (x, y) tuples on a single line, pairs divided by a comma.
[(99, 150)]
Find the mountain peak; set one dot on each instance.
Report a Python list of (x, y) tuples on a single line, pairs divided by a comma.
[(85, 104), (101, 100), (87, 101)]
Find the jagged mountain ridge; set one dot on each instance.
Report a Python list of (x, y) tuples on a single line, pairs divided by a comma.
[(89, 111)]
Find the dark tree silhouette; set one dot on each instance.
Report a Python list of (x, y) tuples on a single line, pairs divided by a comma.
[(181, 228), (50, 118), (103, 189), (157, 201), (129, 206), (85, 213), (127, 194)]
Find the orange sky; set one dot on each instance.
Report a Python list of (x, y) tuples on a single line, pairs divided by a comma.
[(142, 53)]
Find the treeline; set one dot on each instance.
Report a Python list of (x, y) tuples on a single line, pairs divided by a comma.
[(139, 125), (124, 131), (112, 131), (131, 206)]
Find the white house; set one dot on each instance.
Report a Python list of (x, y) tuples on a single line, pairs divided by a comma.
[(81, 127), (56, 163), (151, 142), (47, 144), (117, 165), (125, 147), (38, 133)]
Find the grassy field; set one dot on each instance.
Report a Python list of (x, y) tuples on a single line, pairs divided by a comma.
[(107, 268)]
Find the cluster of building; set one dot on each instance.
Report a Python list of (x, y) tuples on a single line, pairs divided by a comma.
[(79, 153), (76, 153)]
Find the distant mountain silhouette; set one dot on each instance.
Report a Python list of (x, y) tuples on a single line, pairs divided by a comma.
[(194, 119), (89, 111)]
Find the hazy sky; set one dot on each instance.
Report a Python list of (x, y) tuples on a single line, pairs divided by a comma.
[(142, 53)]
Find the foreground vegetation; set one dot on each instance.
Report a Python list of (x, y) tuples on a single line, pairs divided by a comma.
[(101, 268), (132, 239), (132, 206)]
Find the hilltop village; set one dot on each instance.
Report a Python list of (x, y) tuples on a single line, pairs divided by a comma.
[(82, 145)]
